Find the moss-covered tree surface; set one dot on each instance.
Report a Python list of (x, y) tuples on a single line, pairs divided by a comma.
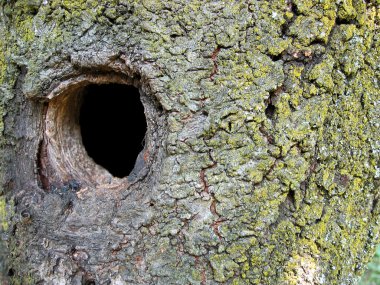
[(262, 152)]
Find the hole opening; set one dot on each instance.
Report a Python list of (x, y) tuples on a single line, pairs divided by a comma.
[(11, 272), (270, 111), (99, 131), (113, 126)]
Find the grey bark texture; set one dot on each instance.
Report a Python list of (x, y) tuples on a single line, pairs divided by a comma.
[(261, 160)]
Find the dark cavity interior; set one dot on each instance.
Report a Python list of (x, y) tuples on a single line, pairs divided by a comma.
[(113, 126)]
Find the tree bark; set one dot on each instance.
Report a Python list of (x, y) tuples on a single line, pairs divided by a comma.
[(261, 159)]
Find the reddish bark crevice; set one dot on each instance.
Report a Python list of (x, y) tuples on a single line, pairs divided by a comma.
[(214, 60)]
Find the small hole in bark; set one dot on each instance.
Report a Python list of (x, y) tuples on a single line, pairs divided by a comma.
[(291, 198), (89, 282), (13, 231), (87, 278), (113, 126), (11, 272), (25, 214), (275, 57), (34, 11), (270, 110)]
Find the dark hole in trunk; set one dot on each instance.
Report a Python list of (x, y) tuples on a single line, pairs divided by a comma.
[(113, 126), (270, 110), (11, 272)]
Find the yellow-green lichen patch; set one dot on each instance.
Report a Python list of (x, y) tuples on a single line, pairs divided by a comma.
[(3, 66), (321, 73), (3, 214), (314, 22), (346, 10), (223, 267), (346, 41), (22, 15), (291, 170), (292, 83), (266, 35), (268, 74), (76, 8)]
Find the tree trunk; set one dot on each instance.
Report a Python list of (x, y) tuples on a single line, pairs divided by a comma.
[(260, 162)]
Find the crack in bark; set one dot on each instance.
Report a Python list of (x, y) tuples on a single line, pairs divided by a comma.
[(42, 161), (214, 56)]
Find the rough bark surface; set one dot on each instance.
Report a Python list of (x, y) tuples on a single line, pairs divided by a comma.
[(262, 153)]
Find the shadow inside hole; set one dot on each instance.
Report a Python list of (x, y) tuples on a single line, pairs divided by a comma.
[(113, 126), (88, 281), (11, 272), (270, 111)]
